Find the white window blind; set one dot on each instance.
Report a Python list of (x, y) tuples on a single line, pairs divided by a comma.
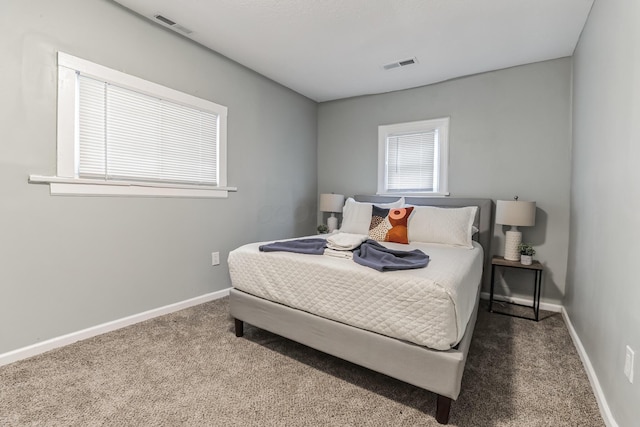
[(128, 135), (413, 157), (410, 161)]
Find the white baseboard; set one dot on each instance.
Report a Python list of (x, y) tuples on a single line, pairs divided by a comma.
[(44, 346), (605, 411), (556, 308)]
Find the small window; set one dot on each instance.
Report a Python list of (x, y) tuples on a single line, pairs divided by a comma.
[(413, 158), (122, 135)]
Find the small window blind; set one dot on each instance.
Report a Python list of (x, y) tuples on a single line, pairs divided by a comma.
[(128, 135), (411, 161)]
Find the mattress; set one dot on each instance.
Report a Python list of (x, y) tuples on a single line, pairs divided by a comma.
[(429, 306)]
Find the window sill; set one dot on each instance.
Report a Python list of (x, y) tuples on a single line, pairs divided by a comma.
[(409, 194), (61, 186)]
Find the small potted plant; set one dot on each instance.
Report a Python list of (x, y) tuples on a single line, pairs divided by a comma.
[(323, 229), (526, 253)]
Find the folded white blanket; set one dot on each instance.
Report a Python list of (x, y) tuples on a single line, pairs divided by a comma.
[(345, 241), (338, 254)]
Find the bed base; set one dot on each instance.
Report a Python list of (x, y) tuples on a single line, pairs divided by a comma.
[(436, 371)]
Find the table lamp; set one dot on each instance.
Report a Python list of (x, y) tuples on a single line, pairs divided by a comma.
[(331, 203), (514, 213)]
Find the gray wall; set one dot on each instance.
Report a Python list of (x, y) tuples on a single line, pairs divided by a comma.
[(67, 263), (509, 135), (603, 288)]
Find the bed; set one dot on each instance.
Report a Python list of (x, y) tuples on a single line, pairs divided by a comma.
[(324, 303)]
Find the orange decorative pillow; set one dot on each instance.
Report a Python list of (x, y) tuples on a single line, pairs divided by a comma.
[(389, 225)]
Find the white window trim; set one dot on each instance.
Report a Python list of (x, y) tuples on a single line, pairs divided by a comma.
[(66, 181), (442, 163)]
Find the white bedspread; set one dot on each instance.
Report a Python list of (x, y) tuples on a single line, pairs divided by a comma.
[(429, 306)]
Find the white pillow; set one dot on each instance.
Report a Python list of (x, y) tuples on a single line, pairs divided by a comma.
[(356, 216), (451, 226)]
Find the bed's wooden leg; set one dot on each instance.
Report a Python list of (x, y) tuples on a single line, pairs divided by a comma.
[(239, 327), (443, 405)]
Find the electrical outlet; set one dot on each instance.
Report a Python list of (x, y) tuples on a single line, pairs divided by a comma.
[(215, 258), (628, 364)]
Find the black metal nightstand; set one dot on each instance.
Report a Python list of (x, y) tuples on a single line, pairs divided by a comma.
[(498, 261)]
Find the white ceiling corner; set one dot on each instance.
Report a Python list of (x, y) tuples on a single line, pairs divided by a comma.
[(334, 49)]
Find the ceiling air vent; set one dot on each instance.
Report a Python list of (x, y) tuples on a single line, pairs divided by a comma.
[(165, 20), (402, 63), (172, 24)]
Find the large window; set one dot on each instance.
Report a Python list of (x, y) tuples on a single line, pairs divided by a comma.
[(121, 135), (413, 158)]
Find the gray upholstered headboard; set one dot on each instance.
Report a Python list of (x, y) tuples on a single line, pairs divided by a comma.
[(483, 220)]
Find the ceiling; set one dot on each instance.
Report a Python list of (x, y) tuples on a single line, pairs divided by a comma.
[(332, 49)]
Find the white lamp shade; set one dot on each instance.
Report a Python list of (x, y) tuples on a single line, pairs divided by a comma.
[(515, 212), (331, 202)]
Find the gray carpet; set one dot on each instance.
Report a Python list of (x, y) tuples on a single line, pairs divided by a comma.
[(188, 368)]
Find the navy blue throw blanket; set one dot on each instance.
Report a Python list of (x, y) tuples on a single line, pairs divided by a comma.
[(373, 254), (311, 246)]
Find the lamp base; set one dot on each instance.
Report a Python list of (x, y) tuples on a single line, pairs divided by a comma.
[(332, 223), (512, 240)]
